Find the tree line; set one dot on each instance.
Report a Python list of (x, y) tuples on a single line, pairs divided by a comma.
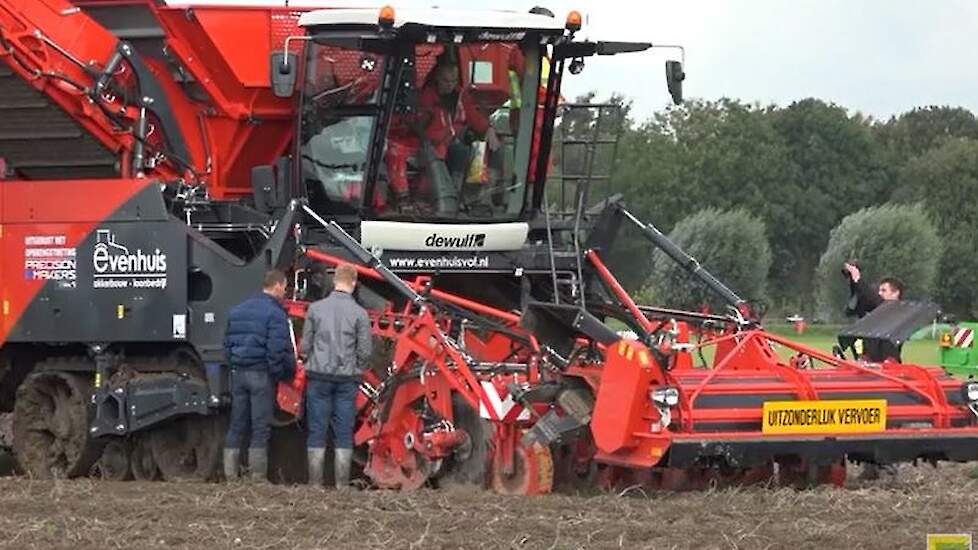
[(773, 199)]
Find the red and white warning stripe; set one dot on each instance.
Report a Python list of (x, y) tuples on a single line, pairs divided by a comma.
[(963, 337), (501, 407)]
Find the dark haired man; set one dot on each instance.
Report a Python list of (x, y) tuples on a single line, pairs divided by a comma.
[(862, 300), (258, 348)]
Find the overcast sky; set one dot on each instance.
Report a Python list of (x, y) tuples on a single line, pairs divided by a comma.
[(880, 57)]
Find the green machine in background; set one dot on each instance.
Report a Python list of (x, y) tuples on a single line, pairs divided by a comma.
[(958, 354)]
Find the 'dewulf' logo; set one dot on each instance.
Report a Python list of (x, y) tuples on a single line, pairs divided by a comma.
[(116, 266), (472, 240)]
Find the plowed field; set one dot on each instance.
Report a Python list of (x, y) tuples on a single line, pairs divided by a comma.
[(893, 512)]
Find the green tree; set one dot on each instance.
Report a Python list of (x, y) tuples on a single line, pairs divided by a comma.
[(892, 240), (800, 169), (730, 244), (837, 167), (722, 154), (924, 128), (945, 181)]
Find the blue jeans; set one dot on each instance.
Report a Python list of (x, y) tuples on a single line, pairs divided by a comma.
[(331, 404), (252, 402)]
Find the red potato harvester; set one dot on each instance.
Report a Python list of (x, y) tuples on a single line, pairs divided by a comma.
[(155, 164)]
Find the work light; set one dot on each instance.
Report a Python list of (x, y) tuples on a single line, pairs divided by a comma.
[(669, 396), (970, 391)]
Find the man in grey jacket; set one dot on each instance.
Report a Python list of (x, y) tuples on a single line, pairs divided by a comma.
[(336, 345)]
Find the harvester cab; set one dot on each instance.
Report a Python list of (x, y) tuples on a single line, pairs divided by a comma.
[(427, 133), (414, 118)]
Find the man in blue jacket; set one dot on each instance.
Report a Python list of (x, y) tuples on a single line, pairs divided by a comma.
[(336, 346), (258, 348)]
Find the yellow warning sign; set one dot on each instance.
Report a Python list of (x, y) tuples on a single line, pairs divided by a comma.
[(806, 417)]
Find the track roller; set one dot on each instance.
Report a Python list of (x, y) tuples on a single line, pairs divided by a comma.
[(188, 448), (114, 464), (141, 459)]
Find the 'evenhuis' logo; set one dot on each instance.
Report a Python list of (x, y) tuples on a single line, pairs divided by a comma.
[(110, 257), (472, 240)]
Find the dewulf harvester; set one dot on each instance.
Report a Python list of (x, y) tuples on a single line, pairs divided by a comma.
[(157, 158)]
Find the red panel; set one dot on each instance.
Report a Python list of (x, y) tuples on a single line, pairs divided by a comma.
[(622, 397), (243, 38), (70, 209), (227, 51), (76, 200)]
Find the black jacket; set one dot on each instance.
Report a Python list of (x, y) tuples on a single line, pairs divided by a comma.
[(862, 300), (257, 337)]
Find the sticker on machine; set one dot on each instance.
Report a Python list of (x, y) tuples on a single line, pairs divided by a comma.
[(180, 326), (118, 266), (815, 417), (49, 258)]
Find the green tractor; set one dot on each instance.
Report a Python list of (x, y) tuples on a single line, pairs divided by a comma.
[(958, 355)]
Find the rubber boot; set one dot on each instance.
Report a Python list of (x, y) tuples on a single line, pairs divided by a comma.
[(258, 463), (316, 458), (342, 461), (232, 459)]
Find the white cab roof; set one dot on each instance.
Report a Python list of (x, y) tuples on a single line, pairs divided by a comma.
[(435, 17)]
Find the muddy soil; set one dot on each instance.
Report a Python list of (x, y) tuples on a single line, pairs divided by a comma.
[(893, 512)]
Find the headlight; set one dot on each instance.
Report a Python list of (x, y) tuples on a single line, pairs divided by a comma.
[(670, 396), (970, 391)]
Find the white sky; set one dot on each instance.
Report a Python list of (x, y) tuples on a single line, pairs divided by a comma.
[(880, 57)]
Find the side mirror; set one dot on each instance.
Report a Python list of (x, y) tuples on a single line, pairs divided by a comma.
[(674, 80), (284, 68)]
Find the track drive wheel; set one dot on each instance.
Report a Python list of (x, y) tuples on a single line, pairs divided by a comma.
[(533, 472), (188, 448), (51, 419)]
